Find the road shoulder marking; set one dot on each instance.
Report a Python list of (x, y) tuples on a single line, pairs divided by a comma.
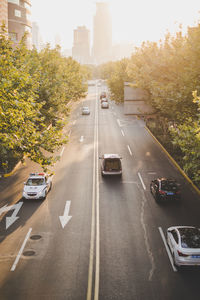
[(129, 149)]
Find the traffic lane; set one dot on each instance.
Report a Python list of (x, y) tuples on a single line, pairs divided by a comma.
[(125, 251), (181, 212), (68, 272), (159, 283)]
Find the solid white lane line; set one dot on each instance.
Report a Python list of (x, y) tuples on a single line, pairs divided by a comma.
[(167, 249), (122, 132), (129, 149), (61, 153), (94, 269), (21, 250), (142, 182)]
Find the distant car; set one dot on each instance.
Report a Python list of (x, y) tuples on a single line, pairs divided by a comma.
[(85, 110), (103, 95), (165, 188), (104, 105), (184, 243), (37, 186), (104, 99), (111, 164)]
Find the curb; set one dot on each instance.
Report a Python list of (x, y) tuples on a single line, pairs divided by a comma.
[(174, 162)]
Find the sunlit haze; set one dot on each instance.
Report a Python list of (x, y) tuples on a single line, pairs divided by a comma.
[(132, 21)]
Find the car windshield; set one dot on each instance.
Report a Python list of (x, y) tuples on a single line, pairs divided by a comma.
[(112, 164), (190, 237), (168, 186), (35, 181), (85, 108)]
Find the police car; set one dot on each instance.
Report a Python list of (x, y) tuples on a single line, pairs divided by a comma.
[(37, 186)]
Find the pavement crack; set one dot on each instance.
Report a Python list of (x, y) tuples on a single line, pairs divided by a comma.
[(150, 254)]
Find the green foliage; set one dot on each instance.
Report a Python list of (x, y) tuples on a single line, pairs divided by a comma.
[(35, 89)]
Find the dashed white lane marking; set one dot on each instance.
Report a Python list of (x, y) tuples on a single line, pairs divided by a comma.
[(129, 149), (151, 173), (167, 248), (69, 134), (142, 182), (21, 250), (122, 133), (61, 153), (81, 139), (74, 122), (118, 121)]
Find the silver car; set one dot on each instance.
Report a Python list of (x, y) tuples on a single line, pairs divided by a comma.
[(85, 110), (104, 105), (184, 243)]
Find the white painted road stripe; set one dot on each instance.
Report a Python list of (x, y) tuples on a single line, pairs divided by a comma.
[(118, 121), (142, 182), (167, 248), (122, 133), (129, 149), (74, 122), (69, 134), (81, 139), (21, 250), (61, 153)]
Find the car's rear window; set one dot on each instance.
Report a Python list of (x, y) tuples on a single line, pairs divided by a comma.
[(168, 186), (190, 237), (112, 164), (35, 181)]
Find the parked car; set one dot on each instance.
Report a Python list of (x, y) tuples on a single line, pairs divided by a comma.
[(111, 164), (184, 243), (104, 105), (85, 110), (37, 186), (165, 188)]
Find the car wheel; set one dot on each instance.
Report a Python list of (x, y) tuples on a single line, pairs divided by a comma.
[(157, 198)]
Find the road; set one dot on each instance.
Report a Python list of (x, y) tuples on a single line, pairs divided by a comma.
[(113, 245)]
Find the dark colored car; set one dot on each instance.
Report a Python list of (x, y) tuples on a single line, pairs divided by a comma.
[(103, 95), (165, 188)]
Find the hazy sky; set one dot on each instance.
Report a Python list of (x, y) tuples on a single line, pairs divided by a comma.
[(132, 21)]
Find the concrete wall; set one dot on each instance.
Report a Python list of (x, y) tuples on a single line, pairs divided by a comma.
[(135, 101)]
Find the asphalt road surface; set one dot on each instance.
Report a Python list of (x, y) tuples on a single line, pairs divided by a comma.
[(113, 245)]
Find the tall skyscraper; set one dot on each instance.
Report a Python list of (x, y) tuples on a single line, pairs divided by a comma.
[(81, 47), (19, 20), (102, 39)]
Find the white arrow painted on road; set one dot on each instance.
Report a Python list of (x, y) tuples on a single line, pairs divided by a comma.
[(65, 218), (10, 220)]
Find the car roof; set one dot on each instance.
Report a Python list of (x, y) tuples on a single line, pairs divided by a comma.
[(37, 175), (111, 156), (85, 107)]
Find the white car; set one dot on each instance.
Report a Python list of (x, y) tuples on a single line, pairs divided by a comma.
[(37, 186), (85, 110), (184, 243)]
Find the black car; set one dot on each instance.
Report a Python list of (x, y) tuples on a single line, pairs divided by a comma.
[(165, 188)]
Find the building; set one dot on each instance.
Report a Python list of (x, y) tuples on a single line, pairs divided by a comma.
[(102, 34), (4, 13), (19, 21), (81, 45), (35, 35)]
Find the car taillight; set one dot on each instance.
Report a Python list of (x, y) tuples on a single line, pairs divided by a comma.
[(182, 254), (162, 192)]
